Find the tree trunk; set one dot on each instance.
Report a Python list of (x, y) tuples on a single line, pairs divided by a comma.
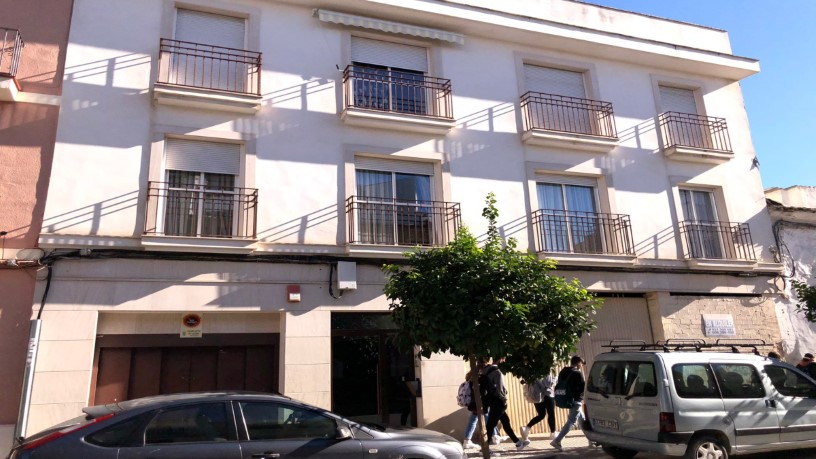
[(474, 379)]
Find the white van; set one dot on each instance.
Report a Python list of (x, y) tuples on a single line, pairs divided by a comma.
[(664, 399)]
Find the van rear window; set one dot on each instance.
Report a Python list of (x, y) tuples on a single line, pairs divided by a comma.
[(694, 380), (628, 378)]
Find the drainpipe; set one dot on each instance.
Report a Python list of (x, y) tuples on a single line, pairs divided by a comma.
[(31, 361)]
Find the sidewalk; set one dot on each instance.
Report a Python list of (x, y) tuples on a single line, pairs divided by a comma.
[(575, 445)]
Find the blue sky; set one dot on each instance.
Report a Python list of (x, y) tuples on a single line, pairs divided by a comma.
[(781, 100)]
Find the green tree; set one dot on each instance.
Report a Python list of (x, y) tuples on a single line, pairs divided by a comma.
[(477, 301), (807, 299)]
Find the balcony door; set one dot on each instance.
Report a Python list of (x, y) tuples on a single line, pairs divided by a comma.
[(389, 76), (570, 221), (702, 225), (395, 207), (203, 60)]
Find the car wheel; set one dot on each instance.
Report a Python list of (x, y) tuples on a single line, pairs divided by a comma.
[(619, 453), (706, 447)]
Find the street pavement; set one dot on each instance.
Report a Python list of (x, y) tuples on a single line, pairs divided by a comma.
[(576, 446)]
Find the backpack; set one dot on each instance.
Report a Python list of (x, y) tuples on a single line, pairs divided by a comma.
[(534, 393), (563, 393), (464, 396)]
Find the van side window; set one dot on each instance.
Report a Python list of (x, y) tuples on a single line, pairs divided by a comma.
[(603, 379), (694, 381), (738, 381), (789, 383), (639, 379), (629, 378)]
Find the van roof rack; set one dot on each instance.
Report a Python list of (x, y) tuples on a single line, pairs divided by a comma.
[(687, 344)]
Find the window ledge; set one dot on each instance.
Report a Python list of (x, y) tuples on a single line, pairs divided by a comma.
[(698, 155), (721, 265), (165, 94), (589, 259), (381, 251), (9, 89), (361, 117), (197, 244), (545, 138)]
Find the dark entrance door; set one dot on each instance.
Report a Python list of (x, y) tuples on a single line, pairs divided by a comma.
[(372, 380)]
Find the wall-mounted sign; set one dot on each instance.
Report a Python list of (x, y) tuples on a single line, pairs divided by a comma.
[(191, 325), (293, 293), (719, 325)]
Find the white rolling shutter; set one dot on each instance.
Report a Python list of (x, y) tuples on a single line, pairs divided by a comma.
[(567, 179), (210, 29), (554, 81), (201, 156), (390, 165), (387, 54), (677, 100)]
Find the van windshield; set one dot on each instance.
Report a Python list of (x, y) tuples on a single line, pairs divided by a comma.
[(627, 378)]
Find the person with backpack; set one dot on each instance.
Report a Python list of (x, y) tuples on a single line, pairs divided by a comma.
[(494, 394), (540, 394), (464, 398), (569, 393)]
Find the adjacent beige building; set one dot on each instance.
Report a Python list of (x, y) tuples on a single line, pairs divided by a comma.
[(229, 178)]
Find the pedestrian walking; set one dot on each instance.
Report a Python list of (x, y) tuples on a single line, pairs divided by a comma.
[(494, 394), (465, 398), (540, 393), (569, 393)]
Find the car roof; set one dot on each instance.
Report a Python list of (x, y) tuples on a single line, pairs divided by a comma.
[(170, 399)]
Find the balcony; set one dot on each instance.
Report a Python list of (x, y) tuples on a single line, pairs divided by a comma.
[(585, 238), (207, 218), (12, 48), (568, 122), (688, 137), (718, 245), (205, 76), (391, 222), (391, 99)]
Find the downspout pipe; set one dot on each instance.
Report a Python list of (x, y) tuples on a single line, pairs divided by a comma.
[(31, 360)]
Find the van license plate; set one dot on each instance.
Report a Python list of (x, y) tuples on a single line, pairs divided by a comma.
[(605, 423)]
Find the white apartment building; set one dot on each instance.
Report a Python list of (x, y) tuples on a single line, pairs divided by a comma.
[(230, 176)]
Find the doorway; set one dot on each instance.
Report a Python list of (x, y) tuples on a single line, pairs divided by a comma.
[(372, 380)]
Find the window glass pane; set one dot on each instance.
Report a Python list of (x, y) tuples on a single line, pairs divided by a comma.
[(550, 196), (790, 383), (181, 206), (739, 381), (604, 378), (273, 421), (374, 184), (362, 321), (375, 211), (412, 187), (580, 198), (694, 381), (218, 208), (121, 434), (408, 91), (583, 221), (639, 379), (193, 423)]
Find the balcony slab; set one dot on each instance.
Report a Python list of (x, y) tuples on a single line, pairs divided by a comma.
[(166, 94), (697, 155), (545, 138), (9, 89), (198, 244), (721, 264), (361, 117), (589, 259)]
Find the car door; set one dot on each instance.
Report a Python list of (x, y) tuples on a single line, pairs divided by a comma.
[(747, 405), (795, 399), (279, 430), (199, 430)]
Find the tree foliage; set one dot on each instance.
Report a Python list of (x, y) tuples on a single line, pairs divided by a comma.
[(488, 300), (807, 299)]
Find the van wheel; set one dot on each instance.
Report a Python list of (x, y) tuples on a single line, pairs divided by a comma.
[(706, 447), (619, 453)]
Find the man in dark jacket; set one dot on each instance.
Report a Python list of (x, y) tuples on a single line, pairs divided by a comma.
[(494, 395), (574, 379)]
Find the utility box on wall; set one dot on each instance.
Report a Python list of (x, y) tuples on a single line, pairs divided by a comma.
[(346, 275)]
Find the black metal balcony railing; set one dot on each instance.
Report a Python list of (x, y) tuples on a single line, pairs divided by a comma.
[(571, 115), (12, 46), (195, 65), (717, 240), (388, 221), (397, 91), (688, 130), (199, 211), (582, 232)]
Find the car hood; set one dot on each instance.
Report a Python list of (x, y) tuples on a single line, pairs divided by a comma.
[(413, 433)]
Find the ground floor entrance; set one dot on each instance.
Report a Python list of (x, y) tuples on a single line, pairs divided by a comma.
[(133, 366), (372, 380)]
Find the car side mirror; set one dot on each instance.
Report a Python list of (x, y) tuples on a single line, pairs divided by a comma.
[(343, 433)]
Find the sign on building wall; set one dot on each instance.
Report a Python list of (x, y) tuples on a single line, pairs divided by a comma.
[(191, 325), (719, 325)]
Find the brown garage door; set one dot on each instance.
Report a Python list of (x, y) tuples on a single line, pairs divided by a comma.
[(133, 366)]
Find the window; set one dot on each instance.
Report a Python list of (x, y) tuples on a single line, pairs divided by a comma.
[(201, 197), (790, 383), (205, 422), (121, 434), (559, 101), (273, 421), (395, 206), (570, 222), (694, 381), (627, 378), (389, 76), (738, 381), (701, 224), (678, 100)]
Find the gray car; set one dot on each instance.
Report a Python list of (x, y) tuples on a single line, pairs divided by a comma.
[(227, 425)]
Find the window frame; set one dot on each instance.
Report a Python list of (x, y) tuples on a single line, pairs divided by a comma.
[(241, 419), (231, 434)]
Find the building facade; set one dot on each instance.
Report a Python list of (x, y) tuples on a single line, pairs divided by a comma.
[(793, 211), (229, 178), (31, 63)]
